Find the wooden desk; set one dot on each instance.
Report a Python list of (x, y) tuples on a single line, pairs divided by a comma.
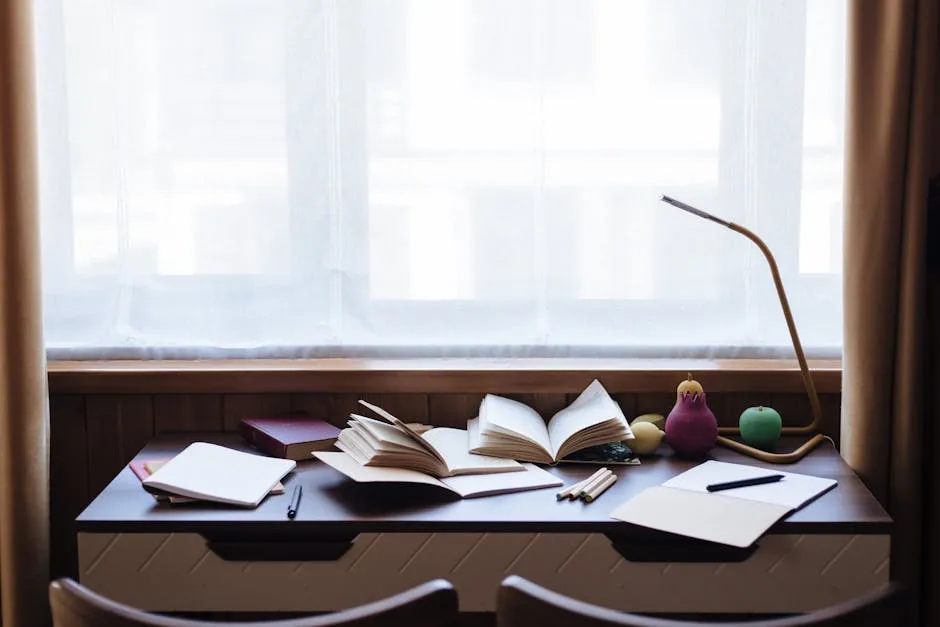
[(351, 543)]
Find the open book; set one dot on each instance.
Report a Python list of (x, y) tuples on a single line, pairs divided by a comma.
[(508, 428), (529, 477), (737, 517), (439, 452)]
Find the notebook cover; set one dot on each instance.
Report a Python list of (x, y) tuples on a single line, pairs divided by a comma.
[(273, 436)]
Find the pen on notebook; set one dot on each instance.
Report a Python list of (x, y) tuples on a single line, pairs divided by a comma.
[(600, 488), (294, 501), (575, 489), (742, 483)]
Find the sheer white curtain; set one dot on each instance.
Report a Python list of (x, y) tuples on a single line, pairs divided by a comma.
[(438, 177)]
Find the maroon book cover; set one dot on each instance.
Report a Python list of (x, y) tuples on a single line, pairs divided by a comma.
[(290, 437)]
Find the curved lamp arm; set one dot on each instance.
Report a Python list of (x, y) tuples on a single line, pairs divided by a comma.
[(814, 426)]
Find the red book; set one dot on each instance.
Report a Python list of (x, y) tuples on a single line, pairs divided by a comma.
[(294, 436)]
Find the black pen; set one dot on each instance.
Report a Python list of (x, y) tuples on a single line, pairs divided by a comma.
[(741, 483), (294, 501)]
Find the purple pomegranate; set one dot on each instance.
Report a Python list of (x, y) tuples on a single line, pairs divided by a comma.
[(691, 427)]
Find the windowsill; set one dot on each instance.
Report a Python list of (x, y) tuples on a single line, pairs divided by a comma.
[(435, 375)]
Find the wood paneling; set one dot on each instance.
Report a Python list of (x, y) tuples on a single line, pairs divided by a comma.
[(187, 412), (238, 406), (68, 478), (118, 426)]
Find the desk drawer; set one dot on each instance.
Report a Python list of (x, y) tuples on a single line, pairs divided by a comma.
[(178, 572)]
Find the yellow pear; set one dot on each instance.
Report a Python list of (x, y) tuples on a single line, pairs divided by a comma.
[(657, 419), (646, 438)]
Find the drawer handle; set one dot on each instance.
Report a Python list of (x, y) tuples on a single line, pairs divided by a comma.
[(289, 550), (676, 549)]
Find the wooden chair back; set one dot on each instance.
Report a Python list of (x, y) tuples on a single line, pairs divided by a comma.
[(521, 603), (432, 604)]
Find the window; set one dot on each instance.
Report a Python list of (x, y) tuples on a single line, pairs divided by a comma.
[(438, 177)]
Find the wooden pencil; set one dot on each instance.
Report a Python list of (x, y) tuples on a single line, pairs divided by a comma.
[(599, 489), (575, 488), (594, 482)]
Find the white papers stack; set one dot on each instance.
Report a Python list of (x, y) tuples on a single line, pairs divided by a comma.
[(215, 473), (736, 517)]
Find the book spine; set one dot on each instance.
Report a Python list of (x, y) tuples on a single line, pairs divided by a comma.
[(269, 445)]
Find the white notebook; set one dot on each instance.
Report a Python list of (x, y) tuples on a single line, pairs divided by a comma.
[(530, 477), (211, 472), (737, 517)]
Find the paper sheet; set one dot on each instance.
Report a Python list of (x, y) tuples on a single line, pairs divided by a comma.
[(793, 490), (702, 515)]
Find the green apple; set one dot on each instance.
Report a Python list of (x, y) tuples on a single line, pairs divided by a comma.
[(760, 426)]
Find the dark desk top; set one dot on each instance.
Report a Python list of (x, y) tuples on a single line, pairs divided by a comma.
[(334, 504)]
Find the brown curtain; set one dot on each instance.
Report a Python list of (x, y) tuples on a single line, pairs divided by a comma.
[(24, 460), (891, 135)]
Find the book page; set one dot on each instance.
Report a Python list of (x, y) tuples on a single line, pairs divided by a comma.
[(515, 417), (592, 407), (216, 473), (530, 477), (405, 428), (793, 490), (371, 474), (385, 436), (453, 445), (711, 517)]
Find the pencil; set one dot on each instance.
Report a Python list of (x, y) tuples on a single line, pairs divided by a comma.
[(594, 483), (575, 488), (599, 489)]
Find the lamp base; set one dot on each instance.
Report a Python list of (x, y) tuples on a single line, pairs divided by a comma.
[(772, 458)]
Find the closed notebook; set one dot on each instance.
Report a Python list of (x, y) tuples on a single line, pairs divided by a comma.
[(145, 468), (216, 473), (529, 477), (736, 517)]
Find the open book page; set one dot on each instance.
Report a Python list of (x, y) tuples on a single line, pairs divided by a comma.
[(530, 477), (466, 486), (405, 428), (373, 443), (594, 415), (515, 420), (345, 464), (706, 516), (453, 445), (793, 491)]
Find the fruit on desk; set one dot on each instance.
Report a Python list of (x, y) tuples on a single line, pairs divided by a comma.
[(691, 427), (646, 438), (760, 426), (689, 386), (657, 419)]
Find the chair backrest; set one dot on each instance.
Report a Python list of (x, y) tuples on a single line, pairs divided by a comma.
[(432, 604), (521, 603)]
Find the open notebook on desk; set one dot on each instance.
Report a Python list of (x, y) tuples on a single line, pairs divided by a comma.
[(528, 477), (737, 517)]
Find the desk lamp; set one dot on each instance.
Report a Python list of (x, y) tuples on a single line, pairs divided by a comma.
[(814, 426)]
